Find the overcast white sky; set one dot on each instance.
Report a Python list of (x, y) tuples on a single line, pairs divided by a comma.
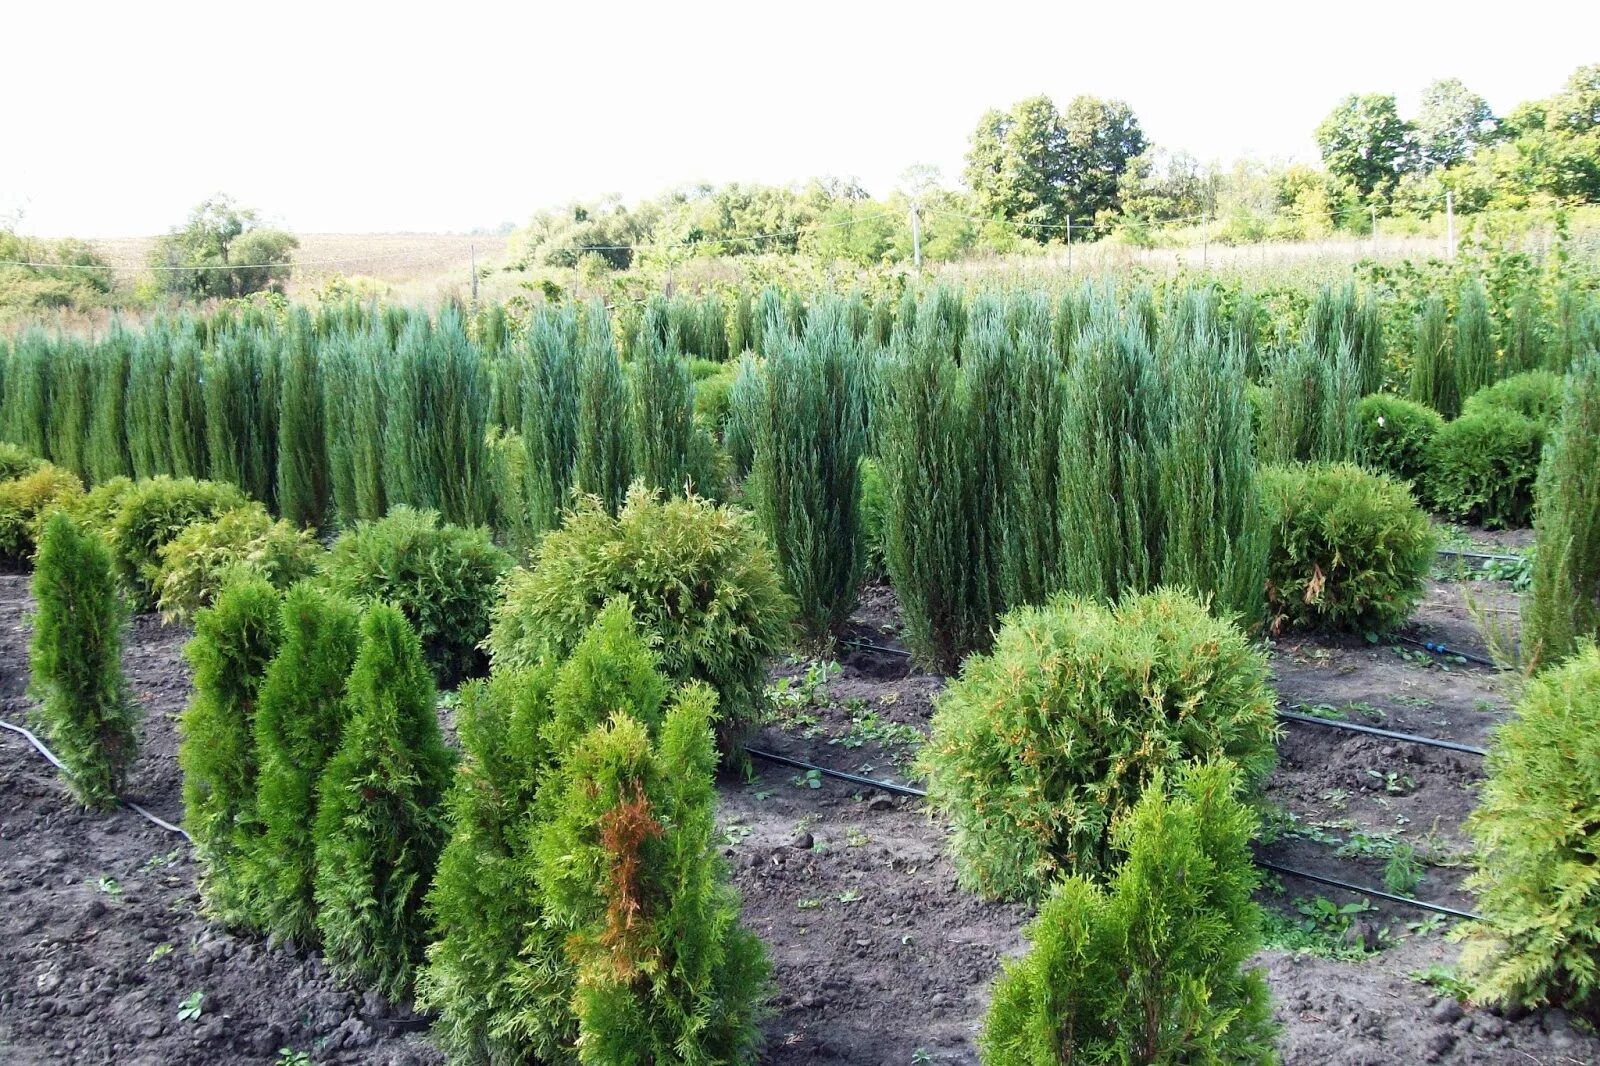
[(356, 117)]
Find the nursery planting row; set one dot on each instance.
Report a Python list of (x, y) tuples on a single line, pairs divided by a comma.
[(1090, 506)]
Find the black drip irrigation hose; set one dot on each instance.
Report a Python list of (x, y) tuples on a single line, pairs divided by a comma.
[(840, 775), (1391, 734), (908, 790), (59, 765), (866, 645), (1487, 556), (1440, 649), (1377, 893)]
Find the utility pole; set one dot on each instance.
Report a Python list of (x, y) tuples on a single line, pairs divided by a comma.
[(1374, 209), (1449, 225), (916, 234), (1205, 240)]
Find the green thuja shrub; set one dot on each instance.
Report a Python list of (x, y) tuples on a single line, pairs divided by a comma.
[(497, 971), (97, 509), (1433, 369), (1150, 969), (26, 502), (1535, 394), (16, 462), (75, 659), (380, 823), (441, 577), (664, 972), (233, 642), (805, 486), (1041, 747), (71, 404), (197, 563), (150, 514), (1348, 550), (1537, 831), (1563, 605), (1482, 467), (300, 718), (1394, 435), (702, 581), (603, 462)]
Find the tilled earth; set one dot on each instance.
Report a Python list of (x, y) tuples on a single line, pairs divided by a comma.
[(880, 957)]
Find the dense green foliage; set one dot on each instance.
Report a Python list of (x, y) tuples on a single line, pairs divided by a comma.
[(1349, 550), (700, 578), (234, 641), (440, 576), (1150, 969), (1563, 605), (604, 457), (150, 514), (300, 717), (223, 250), (380, 824), (1535, 394), (1482, 468), (810, 429), (1394, 435), (1434, 380), (197, 563), (27, 501), (76, 662), (1537, 831), (1040, 747), (16, 461)]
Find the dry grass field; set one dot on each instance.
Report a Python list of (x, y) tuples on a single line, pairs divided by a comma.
[(398, 260)]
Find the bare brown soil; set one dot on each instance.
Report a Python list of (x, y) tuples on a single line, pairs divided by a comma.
[(879, 956)]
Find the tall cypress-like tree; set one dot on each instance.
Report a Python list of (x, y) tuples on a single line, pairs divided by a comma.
[(71, 404), (302, 489), (1563, 606), (1433, 368), (108, 436), (807, 476), (1474, 340), (355, 405), (76, 662), (379, 823), (604, 461), (549, 420), (662, 402), (184, 405)]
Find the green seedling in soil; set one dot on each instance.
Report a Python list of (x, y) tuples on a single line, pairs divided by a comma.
[(290, 1057), (808, 904), (109, 886), (1323, 929), (809, 779), (855, 838), (889, 699), (920, 1056), (1444, 979), (762, 796), (1484, 707), (155, 862), (906, 940), (850, 895), (1426, 926), (1414, 701), (735, 834), (1321, 710), (866, 726), (160, 952), (1403, 873), (192, 1007), (1337, 798), (1394, 783)]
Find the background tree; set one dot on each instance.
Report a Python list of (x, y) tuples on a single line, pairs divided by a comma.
[(1160, 186), (1453, 123), (1040, 165), (222, 251), (1366, 142)]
